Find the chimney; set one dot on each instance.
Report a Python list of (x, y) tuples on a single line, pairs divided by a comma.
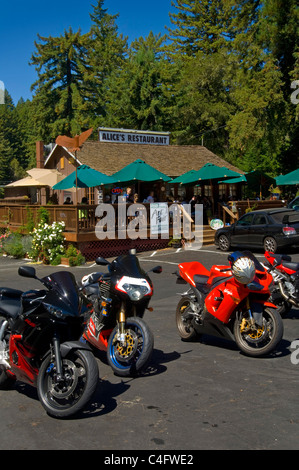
[(40, 154)]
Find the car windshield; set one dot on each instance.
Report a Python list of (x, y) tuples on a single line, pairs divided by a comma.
[(285, 217)]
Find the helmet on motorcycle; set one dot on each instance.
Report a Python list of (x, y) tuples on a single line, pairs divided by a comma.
[(243, 269)]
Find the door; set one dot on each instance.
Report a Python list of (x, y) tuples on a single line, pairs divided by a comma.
[(258, 229), (241, 234)]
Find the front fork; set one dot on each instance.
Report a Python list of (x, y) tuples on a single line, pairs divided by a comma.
[(121, 336), (247, 324), (57, 359)]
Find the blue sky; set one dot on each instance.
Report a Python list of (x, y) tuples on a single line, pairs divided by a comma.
[(21, 21)]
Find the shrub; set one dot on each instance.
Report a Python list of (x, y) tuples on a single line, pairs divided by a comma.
[(12, 245), (48, 242), (75, 257)]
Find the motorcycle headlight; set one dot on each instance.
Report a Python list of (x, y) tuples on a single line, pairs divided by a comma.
[(135, 288), (56, 312)]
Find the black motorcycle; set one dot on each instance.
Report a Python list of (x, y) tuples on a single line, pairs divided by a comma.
[(119, 299), (39, 330)]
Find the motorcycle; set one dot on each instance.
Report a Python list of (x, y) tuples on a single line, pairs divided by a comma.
[(229, 303), (119, 299), (38, 343), (285, 273)]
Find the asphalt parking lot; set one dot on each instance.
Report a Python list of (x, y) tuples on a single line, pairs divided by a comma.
[(203, 395)]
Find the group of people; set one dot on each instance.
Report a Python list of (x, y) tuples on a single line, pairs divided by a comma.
[(134, 198), (207, 207)]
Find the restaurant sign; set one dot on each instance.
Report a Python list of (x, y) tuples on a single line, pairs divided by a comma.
[(124, 136)]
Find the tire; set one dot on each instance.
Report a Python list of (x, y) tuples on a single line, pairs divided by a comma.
[(67, 398), (135, 357), (270, 244), (262, 340), (6, 380), (184, 324), (223, 243)]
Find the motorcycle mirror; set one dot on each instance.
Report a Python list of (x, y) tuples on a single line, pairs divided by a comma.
[(102, 261), (27, 271)]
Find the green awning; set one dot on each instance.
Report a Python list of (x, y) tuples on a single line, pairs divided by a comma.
[(289, 178), (139, 171), (86, 178), (209, 172)]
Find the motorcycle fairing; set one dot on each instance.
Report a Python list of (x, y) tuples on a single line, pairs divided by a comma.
[(20, 360), (214, 327)]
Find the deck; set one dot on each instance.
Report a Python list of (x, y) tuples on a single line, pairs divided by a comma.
[(80, 223)]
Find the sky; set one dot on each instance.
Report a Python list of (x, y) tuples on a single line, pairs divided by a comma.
[(21, 21)]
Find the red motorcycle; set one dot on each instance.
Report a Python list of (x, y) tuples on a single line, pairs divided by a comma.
[(285, 289), (230, 302)]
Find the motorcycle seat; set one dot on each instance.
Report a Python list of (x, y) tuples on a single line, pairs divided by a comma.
[(11, 293), (200, 279), (10, 301), (10, 307), (292, 265)]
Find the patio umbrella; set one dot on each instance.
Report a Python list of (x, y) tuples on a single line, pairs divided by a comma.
[(25, 182), (46, 176), (256, 180), (84, 177), (289, 178), (209, 172), (184, 177), (139, 171)]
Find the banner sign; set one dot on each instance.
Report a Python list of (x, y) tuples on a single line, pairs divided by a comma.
[(159, 218), (133, 137)]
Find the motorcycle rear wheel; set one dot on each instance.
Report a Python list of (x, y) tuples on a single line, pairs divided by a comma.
[(131, 359), (183, 323), (6, 379), (70, 396), (261, 340)]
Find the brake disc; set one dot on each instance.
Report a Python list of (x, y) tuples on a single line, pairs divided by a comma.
[(69, 382)]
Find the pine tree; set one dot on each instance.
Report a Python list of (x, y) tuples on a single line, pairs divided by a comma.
[(107, 50), (61, 64), (10, 141), (139, 95), (202, 25)]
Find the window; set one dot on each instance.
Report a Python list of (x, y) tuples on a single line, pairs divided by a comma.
[(260, 219), (245, 220)]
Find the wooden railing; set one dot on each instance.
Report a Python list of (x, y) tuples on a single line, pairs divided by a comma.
[(77, 219), (236, 209), (82, 218)]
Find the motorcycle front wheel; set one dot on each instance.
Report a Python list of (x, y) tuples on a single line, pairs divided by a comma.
[(259, 340), (68, 396), (132, 357)]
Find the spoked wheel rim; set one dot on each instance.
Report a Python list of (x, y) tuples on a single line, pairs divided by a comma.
[(224, 243), (128, 353), (259, 339), (66, 396), (130, 357), (270, 244)]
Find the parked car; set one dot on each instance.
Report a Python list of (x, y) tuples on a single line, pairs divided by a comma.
[(294, 204), (268, 228)]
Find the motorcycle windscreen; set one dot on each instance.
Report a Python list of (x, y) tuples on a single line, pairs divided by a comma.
[(127, 265), (63, 292)]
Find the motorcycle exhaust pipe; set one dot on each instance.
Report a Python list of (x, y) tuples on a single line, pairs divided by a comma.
[(285, 296)]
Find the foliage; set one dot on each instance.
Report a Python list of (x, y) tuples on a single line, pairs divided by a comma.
[(16, 245), (48, 242), (221, 77), (74, 256)]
